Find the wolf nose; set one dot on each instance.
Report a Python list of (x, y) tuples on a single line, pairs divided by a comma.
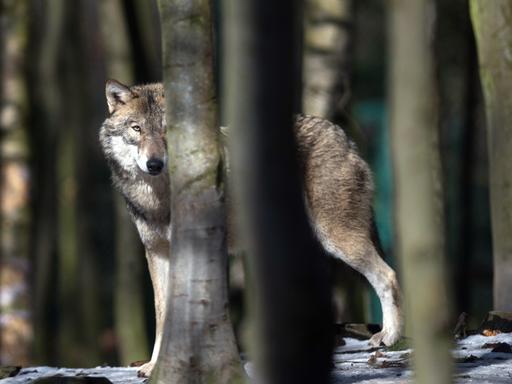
[(155, 166)]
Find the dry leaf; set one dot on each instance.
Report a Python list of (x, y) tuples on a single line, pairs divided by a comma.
[(490, 332)]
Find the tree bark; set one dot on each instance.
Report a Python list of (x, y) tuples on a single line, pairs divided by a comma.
[(492, 24), (419, 213), (198, 343), (290, 292), (129, 289), (16, 319)]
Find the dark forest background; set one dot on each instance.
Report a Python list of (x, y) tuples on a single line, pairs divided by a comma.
[(74, 289)]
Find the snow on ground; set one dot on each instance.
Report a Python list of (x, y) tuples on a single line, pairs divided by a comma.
[(354, 362), (117, 375)]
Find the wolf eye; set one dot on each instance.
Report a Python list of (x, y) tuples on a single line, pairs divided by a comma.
[(136, 128)]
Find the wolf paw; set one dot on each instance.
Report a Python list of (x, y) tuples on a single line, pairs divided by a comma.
[(385, 337), (146, 369)]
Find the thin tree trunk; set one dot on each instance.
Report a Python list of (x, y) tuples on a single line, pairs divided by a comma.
[(327, 59), (16, 320), (327, 38), (145, 37), (47, 25), (418, 186), (70, 351), (198, 343), (70, 325), (94, 195), (290, 293), (129, 288), (492, 24), (78, 280)]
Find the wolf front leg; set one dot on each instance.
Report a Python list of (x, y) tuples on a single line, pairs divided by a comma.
[(158, 265)]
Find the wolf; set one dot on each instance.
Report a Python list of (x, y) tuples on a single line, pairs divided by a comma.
[(338, 190)]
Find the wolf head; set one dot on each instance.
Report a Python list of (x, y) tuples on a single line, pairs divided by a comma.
[(133, 136)]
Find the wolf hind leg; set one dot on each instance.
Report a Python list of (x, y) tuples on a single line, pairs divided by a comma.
[(361, 254), (383, 279)]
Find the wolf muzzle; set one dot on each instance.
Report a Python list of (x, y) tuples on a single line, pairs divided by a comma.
[(154, 166)]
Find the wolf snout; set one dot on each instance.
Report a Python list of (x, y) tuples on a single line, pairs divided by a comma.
[(154, 166)]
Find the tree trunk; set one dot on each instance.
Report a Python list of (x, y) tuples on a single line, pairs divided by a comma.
[(129, 288), (327, 59), (198, 343), (16, 319), (94, 193), (492, 24), (455, 53), (419, 211), (327, 37), (145, 38), (290, 293), (79, 272), (47, 25)]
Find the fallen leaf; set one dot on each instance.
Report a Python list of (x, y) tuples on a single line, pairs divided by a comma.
[(490, 332)]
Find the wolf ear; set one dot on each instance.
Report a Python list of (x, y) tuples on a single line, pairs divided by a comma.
[(117, 94)]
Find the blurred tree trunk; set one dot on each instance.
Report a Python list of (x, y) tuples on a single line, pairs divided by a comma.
[(15, 312), (419, 212), (291, 296), (327, 57), (458, 119), (84, 193), (198, 343), (327, 40), (70, 351), (77, 345), (45, 104), (94, 199), (145, 38), (129, 289), (492, 24)]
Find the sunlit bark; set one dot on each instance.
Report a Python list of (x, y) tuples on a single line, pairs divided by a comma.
[(198, 344)]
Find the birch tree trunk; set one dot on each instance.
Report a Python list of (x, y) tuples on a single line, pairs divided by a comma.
[(129, 289), (418, 187), (15, 309), (198, 343), (326, 56), (492, 24), (290, 292)]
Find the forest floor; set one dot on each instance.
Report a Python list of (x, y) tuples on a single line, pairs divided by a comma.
[(479, 359), (475, 362)]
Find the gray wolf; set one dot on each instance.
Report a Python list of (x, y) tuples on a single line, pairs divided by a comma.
[(337, 184)]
